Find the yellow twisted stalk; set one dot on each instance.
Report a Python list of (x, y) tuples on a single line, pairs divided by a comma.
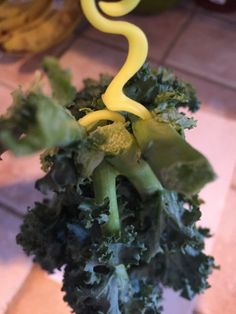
[(114, 98), (96, 116), (118, 8)]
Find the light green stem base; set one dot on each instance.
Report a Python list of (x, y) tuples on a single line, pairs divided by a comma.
[(104, 181)]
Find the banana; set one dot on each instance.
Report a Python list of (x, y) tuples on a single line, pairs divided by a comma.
[(33, 24), (8, 10), (35, 8), (50, 32)]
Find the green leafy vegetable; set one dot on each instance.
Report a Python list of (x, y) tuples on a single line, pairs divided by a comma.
[(157, 87), (180, 167), (36, 123), (121, 208), (60, 81), (122, 151)]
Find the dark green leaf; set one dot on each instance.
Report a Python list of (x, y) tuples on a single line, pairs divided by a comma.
[(46, 125), (60, 81)]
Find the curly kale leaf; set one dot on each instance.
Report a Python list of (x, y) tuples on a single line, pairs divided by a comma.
[(181, 263), (37, 122), (90, 213), (157, 244), (154, 88), (93, 289), (146, 298), (61, 175), (127, 250), (111, 292), (60, 80), (97, 279), (53, 232), (16, 119), (175, 91), (43, 235), (68, 166), (185, 270), (81, 154), (143, 86), (151, 215), (182, 219), (177, 259), (89, 98), (179, 121)]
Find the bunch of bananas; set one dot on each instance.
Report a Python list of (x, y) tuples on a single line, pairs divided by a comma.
[(36, 25)]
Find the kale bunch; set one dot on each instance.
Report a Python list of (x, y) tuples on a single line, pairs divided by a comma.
[(121, 204)]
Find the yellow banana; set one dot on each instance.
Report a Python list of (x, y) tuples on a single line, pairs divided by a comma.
[(12, 9), (29, 26), (35, 8), (50, 32), (39, 20)]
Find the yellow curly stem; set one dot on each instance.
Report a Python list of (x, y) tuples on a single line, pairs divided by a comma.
[(118, 8), (96, 116), (114, 97)]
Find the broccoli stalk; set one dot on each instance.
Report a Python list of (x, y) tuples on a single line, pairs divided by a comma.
[(123, 154), (177, 164), (122, 158), (138, 172), (104, 182)]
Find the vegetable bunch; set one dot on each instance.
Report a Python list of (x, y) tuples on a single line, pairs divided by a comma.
[(121, 199)]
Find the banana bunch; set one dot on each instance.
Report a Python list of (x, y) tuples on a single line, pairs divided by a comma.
[(36, 25)]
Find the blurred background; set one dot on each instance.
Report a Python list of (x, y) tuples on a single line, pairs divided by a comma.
[(197, 39)]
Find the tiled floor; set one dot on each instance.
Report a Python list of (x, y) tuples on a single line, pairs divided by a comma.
[(223, 281), (200, 47), (205, 37), (14, 265), (160, 32)]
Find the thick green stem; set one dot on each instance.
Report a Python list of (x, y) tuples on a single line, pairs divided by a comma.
[(121, 273), (123, 153), (176, 163), (104, 181), (137, 171)]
